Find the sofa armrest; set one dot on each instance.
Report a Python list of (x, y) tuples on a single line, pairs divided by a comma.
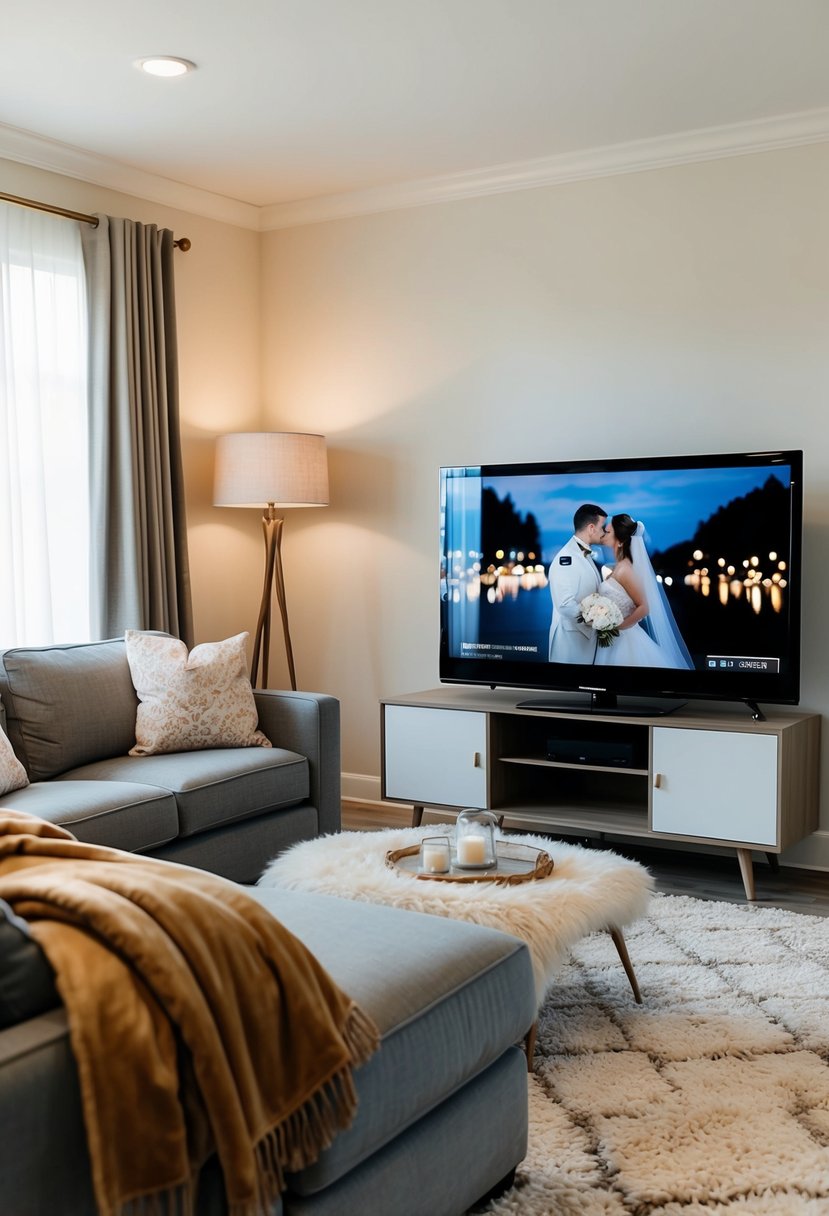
[(308, 723)]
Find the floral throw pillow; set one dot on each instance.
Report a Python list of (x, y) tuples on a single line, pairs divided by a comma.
[(188, 702), (12, 773)]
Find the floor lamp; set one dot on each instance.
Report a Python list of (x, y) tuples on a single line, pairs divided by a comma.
[(271, 470)]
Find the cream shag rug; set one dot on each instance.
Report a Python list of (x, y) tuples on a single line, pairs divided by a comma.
[(711, 1098), (589, 889)]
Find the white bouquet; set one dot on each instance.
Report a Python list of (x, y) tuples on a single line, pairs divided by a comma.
[(602, 615)]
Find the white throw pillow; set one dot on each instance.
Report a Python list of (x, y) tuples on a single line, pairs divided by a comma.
[(12, 773), (193, 701)]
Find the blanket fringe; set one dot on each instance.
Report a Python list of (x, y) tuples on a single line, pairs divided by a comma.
[(295, 1143), (298, 1140), (362, 1038), (175, 1201), (292, 1145)]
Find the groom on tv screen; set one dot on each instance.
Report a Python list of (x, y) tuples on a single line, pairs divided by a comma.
[(573, 574)]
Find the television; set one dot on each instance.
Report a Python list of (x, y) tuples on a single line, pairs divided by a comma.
[(713, 555)]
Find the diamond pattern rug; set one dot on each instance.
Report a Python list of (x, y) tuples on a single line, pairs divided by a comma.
[(710, 1099)]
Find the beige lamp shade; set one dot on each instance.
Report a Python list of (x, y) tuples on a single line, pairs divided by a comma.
[(255, 469)]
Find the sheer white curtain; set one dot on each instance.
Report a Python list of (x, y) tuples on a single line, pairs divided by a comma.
[(44, 431)]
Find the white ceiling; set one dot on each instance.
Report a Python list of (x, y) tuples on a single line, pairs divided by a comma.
[(303, 99)]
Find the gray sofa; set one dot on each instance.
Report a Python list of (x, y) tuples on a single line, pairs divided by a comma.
[(70, 716), (442, 1116)]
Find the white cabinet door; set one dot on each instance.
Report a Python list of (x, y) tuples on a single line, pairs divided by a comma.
[(717, 784), (435, 757)]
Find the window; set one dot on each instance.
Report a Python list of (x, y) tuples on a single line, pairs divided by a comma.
[(44, 431)]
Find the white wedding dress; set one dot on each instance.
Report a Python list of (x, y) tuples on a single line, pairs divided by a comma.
[(634, 647)]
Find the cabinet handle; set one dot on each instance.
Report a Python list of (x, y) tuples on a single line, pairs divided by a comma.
[(657, 781), (476, 759)]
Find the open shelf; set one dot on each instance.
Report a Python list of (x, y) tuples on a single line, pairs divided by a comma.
[(570, 794), (540, 762), (618, 821)]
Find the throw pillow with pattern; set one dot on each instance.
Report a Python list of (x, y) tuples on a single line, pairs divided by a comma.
[(191, 701), (12, 773)]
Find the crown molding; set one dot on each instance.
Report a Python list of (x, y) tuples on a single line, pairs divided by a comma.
[(637, 156), (27, 148)]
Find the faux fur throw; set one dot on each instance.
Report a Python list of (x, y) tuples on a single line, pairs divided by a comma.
[(197, 1021)]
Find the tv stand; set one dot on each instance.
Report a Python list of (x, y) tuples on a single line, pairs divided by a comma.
[(601, 702), (698, 777), (756, 712)]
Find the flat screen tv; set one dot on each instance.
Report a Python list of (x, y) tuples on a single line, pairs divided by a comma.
[(701, 556)]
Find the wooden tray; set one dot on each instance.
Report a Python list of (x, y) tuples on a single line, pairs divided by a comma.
[(515, 863)]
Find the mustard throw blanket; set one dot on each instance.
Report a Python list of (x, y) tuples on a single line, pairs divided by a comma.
[(197, 1021)]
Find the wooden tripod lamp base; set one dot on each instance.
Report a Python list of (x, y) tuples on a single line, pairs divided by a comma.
[(274, 581)]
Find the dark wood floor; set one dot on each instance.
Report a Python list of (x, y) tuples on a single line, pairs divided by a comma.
[(677, 873)]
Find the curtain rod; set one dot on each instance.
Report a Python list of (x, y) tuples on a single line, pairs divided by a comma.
[(183, 243)]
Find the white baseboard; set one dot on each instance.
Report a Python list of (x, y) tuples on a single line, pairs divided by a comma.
[(810, 854), (361, 788)]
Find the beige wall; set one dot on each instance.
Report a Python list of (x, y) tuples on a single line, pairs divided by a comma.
[(683, 310), (218, 316)]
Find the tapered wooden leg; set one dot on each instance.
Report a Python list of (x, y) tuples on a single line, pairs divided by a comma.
[(529, 1045), (747, 871), (417, 816), (620, 944), (773, 860)]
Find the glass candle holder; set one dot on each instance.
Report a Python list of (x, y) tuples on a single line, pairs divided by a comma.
[(475, 839), (435, 855)]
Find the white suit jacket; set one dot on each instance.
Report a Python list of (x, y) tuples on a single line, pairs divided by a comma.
[(572, 576)]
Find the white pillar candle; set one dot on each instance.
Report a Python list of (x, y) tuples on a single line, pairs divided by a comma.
[(471, 850), (435, 858)]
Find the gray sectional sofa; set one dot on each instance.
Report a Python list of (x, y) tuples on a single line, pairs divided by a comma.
[(442, 1115), (70, 716)]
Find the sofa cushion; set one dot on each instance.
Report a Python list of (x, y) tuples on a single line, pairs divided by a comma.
[(214, 787), (67, 705), (12, 773), (424, 980), (188, 702), (120, 814), (27, 982)]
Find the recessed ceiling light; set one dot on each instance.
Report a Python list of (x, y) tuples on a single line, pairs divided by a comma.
[(165, 65)]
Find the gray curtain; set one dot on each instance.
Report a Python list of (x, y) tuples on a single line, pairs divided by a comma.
[(139, 565)]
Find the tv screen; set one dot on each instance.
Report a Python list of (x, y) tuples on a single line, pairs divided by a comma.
[(653, 577)]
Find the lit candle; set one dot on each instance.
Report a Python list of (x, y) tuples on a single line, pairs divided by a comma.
[(472, 850), (435, 858)]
